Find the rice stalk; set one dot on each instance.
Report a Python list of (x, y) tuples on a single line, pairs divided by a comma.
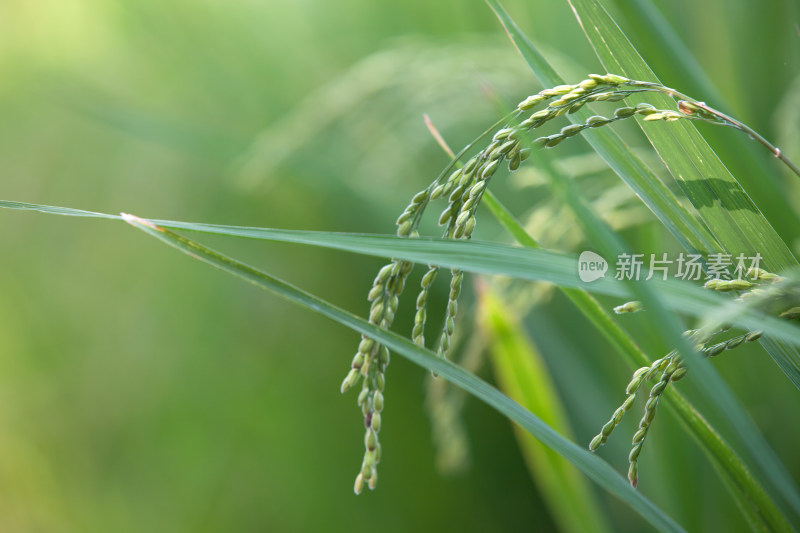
[(464, 187), (671, 368)]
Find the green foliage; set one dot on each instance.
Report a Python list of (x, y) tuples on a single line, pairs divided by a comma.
[(165, 416), (521, 372)]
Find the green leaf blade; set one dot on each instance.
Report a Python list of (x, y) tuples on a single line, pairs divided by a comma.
[(523, 376), (726, 209), (594, 467)]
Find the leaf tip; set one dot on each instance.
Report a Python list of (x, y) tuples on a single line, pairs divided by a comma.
[(133, 220)]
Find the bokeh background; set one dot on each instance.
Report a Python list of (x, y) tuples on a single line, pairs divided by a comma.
[(142, 391)]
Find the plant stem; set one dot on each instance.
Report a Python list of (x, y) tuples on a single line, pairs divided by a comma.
[(751, 496), (725, 120), (754, 502)]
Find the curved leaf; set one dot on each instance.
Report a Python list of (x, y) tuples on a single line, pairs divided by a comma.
[(594, 467)]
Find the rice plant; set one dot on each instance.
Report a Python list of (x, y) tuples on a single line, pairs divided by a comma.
[(468, 291)]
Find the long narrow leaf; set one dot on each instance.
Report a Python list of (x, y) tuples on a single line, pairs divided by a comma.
[(478, 257), (757, 507), (764, 187), (523, 376), (736, 222), (615, 152), (716, 391), (594, 467), (718, 197)]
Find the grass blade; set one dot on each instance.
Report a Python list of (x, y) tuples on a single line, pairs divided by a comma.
[(594, 467), (522, 375), (757, 507), (477, 257), (764, 187), (736, 222), (610, 146), (725, 207)]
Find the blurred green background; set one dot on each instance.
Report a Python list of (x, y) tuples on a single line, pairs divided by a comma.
[(141, 391)]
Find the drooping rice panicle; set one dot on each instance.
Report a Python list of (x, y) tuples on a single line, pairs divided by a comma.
[(463, 188)]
